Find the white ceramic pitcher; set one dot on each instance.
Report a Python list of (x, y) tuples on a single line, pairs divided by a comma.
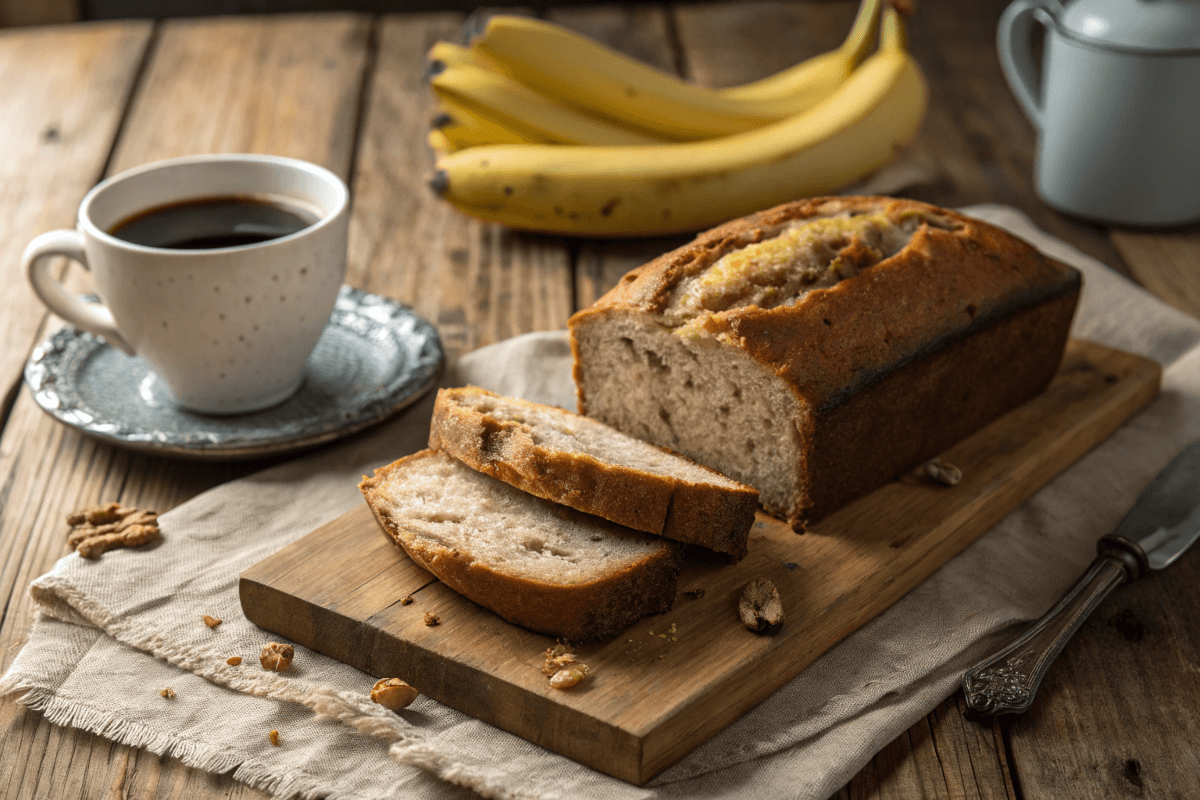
[(1117, 108)]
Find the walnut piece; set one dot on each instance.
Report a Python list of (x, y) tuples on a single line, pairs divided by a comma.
[(943, 473), (276, 657), (168, 693), (102, 528), (562, 668), (432, 619), (393, 693), (760, 608), (234, 661), (406, 600), (211, 621), (566, 678), (274, 737)]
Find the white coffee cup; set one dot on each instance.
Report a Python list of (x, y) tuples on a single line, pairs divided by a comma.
[(228, 330)]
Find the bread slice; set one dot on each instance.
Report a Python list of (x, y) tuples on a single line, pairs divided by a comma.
[(589, 466), (819, 349), (535, 563)]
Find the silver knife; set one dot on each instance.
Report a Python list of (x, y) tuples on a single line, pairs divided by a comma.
[(1163, 523)]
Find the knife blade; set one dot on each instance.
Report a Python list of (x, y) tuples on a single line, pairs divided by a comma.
[(1163, 523)]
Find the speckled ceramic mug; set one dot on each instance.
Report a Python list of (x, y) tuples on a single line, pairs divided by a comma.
[(228, 330)]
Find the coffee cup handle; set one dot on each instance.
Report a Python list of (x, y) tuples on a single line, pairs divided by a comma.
[(1014, 42), (92, 317)]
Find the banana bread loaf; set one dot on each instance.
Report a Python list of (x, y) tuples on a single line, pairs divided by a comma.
[(819, 349)]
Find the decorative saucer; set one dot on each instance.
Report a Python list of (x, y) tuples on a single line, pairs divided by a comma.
[(375, 358)]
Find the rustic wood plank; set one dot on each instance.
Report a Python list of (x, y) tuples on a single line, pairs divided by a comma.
[(288, 86), (1165, 262), (652, 700), (478, 283), (311, 70), (942, 756), (64, 93), (1118, 715), (44, 12)]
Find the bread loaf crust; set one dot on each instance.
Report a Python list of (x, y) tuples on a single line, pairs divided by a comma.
[(578, 612), (893, 325), (717, 517)]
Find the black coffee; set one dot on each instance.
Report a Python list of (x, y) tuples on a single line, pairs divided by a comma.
[(211, 222)]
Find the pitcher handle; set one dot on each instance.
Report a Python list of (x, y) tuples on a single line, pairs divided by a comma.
[(1014, 42)]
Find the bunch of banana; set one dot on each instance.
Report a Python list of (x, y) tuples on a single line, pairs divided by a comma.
[(542, 129)]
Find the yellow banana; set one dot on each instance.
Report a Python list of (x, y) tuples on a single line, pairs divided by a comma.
[(464, 127), (582, 73), (439, 144), (799, 88), (526, 111), (618, 191), (447, 54)]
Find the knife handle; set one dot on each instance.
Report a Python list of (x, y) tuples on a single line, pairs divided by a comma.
[(1007, 682)]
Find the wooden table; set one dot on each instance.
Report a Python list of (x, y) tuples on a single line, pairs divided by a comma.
[(84, 101)]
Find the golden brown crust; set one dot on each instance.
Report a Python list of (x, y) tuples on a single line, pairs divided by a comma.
[(897, 362), (943, 396), (577, 612), (943, 283), (713, 516)]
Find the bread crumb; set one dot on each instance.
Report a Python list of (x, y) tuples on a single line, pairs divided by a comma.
[(234, 661), (274, 737), (695, 594), (276, 657), (566, 678), (561, 666), (393, 694), (941, 472), (404, 601), (168, 693), (211, 621), (432, 619)]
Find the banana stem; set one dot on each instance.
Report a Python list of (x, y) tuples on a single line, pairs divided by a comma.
[(862, 33), (891, 33)]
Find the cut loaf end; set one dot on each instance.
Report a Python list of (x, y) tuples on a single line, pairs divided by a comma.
[(535, 563), (587, 465)]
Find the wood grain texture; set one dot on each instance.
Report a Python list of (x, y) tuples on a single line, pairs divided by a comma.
[(38, 12), (287, 86), (652, 699), (1165, 262), (477, 283), (310, 72), (1118, 714), (64, 93)]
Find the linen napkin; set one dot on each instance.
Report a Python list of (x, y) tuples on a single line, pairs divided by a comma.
[(112, 633)]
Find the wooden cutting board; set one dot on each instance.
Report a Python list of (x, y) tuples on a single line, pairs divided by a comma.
[(671, 681)]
